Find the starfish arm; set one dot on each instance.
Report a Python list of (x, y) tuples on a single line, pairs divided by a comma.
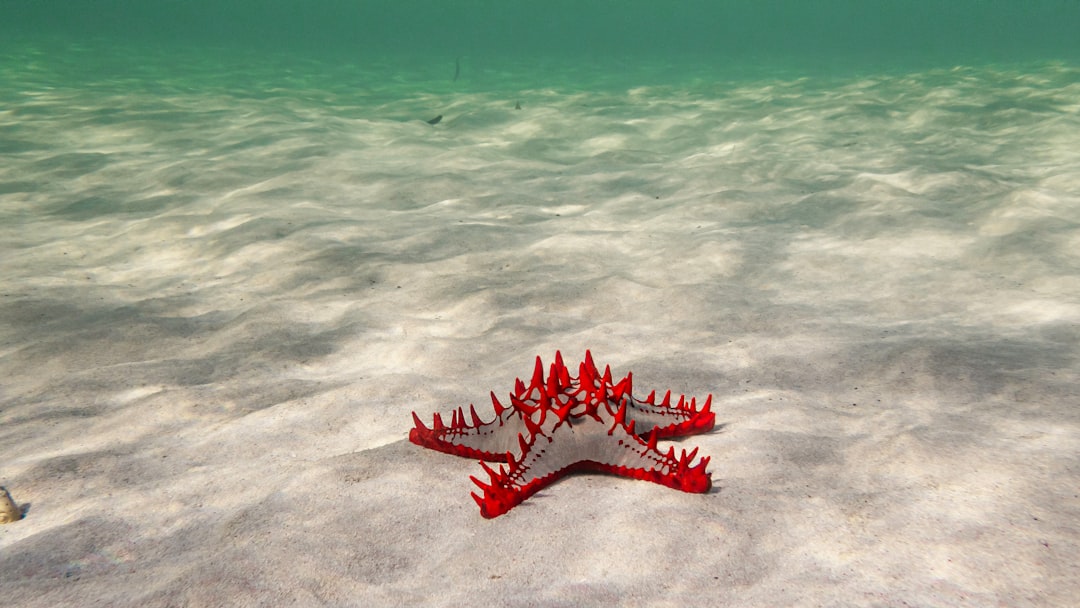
[(670, 420), (483, 440), (585, 447)]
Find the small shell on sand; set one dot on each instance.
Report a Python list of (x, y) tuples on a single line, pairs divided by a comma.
[(9, 511)]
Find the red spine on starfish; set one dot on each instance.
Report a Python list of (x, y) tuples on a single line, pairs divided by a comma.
[(559, 424)]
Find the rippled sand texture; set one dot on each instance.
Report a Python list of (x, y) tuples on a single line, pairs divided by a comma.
[(224, 286)]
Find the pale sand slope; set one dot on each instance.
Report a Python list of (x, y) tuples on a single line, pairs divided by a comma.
[(216, 313)]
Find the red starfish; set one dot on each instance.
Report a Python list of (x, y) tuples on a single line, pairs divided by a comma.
[(565, 424)]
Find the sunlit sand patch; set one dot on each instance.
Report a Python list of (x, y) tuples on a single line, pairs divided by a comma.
[(135, 394), (1042, 312), (229, 223)]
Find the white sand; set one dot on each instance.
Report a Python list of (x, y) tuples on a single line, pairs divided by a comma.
[(218, 310)]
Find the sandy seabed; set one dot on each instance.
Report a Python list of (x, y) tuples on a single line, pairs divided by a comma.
[(221, 299)]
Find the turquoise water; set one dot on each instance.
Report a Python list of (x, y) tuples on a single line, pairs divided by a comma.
[(959, 31)]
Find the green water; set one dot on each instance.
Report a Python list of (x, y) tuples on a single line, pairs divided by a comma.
[(812, 34)]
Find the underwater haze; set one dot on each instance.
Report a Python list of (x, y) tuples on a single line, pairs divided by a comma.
[(954, 31), (242, 242)]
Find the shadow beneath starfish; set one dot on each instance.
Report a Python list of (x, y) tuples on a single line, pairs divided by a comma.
[(715, 489)]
